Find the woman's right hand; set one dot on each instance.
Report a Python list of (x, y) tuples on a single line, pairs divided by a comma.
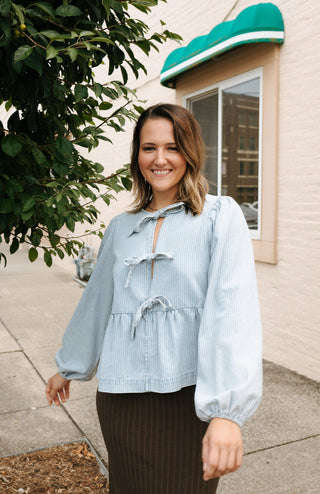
[(57, 389)]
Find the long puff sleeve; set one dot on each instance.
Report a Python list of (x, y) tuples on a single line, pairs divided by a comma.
[(229, 380), (82, 342)]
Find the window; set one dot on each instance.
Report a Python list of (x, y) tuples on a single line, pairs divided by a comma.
[(253, 143), (242, 142), (228, 115), (244, 80), (253, 119), (242, 168), (241, 117), (206, 112)]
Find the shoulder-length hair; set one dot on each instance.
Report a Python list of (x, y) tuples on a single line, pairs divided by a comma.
[(193, 187)]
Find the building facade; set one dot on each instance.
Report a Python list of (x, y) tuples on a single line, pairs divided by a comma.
[(258, 107)]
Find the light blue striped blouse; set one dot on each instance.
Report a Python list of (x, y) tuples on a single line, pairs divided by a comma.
[(195, 321)]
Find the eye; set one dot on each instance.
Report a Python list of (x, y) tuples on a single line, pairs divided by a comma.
[(173, 148), (147, 148)]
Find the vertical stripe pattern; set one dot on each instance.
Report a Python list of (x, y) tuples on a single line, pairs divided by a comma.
[(154, 443)]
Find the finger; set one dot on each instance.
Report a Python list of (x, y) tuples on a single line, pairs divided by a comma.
[(231, 463), (221, 468), (48, 390), (212, 463), (205, 452), (239, 458), (61, 396), (54, 395), (67, 390), (56, 399)]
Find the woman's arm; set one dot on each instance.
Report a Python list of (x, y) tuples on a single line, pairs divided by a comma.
[(222, 448), (57, 390), (229, 381), (82, 342)]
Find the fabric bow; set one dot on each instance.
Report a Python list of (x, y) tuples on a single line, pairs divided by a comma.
[(134, 261), (162, 213), (148, 304)]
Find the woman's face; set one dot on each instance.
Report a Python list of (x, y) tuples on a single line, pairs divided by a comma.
[(159, 160)]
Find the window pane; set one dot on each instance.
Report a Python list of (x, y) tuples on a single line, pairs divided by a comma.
[(240, 129), (205, 110)]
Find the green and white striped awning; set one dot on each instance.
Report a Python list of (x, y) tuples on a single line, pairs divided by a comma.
[(261, 23)]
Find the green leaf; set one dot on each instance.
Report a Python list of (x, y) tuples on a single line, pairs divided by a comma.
[(6, 36), (14, 245), (28, 204), (68, 11), (46, 7), (35, 63), (22, 52), (99, 168), (85, 33), (54, 240), (47, 258), (52, 52), (60, 253), (18, 12), (36, 237), (5, 7), (73, 53), (80, 92), (64, 146), (102, 40), (27, 215), (8, 105), (2, 256), (124, 74), (105, 105), (139, 109), (6, 205), (98, 89), (49, 33), (32, 254), (11, 145), (70, 223), (39, 156), (127, 183)]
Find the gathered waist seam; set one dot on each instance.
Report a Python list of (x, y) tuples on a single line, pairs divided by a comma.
[(171, 309)]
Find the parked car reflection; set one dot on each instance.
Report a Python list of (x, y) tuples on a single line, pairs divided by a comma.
[(250, 212)]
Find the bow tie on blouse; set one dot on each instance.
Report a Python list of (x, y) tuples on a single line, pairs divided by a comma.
[(162, 213), (160, 300), (134, 261)]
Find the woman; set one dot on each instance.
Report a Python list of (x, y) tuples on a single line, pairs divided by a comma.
[(171, 316)]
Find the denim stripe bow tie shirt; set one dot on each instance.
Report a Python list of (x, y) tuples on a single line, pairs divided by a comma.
[(184, 313)]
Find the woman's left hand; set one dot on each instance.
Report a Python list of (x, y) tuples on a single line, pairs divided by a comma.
[(222, 449)]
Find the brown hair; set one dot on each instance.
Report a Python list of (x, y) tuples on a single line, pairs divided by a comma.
[(193, 186)]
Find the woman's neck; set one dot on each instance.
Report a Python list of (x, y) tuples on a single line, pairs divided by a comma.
[(159, 202)]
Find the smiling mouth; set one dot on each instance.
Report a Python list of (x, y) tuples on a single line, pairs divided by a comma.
[(161, 173)]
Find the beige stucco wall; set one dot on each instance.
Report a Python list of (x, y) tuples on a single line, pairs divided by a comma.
[(289, 290)]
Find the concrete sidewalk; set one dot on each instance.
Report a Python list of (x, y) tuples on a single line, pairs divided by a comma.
[(282, 440)]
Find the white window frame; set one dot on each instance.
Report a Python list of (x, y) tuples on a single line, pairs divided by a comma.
[(218, 88)]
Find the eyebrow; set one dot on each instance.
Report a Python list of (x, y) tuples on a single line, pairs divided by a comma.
[(152, 143)]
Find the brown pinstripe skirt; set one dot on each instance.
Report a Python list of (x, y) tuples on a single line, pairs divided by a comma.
[(154, 443)]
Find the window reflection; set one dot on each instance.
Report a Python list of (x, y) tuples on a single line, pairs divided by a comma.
[(239, 146), (240, 128), (205, 110)]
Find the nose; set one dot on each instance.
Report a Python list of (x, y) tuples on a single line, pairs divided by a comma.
[(160, 158)]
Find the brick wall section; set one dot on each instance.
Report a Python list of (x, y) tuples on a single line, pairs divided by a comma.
[(289, 291)]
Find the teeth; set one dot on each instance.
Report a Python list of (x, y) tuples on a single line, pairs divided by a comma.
[(161, 172)]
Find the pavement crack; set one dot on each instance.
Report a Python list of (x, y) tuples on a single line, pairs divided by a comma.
[(282, 444), (41, 377)]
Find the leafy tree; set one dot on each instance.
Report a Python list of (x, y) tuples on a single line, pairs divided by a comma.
[(48, 52)]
